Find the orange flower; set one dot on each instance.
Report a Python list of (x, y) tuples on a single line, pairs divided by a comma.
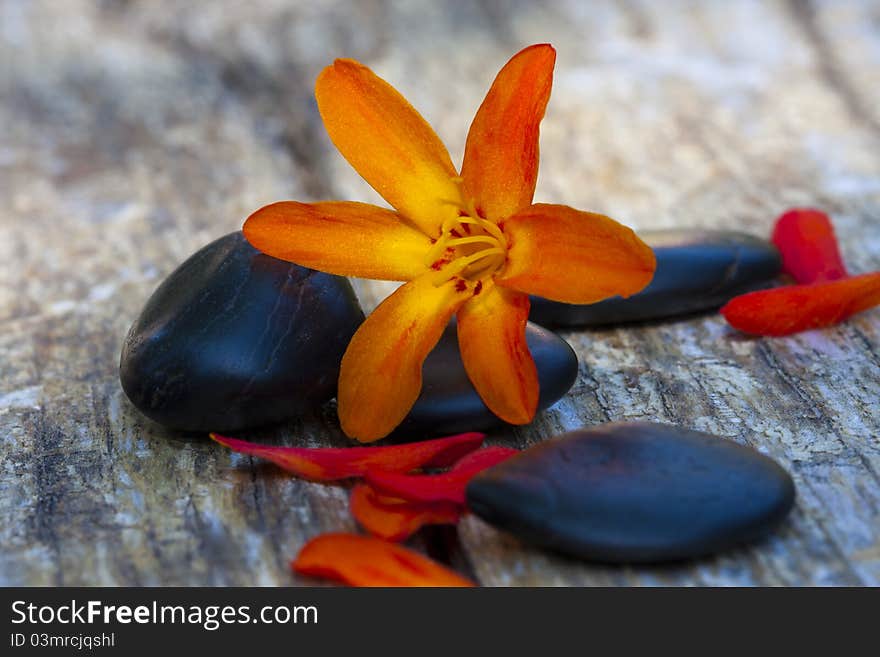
[(471, 245)]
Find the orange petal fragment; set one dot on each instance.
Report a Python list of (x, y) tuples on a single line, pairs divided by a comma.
[(381, 373), (388, 142), (394, 519), (500, 166), (795, 308), (567, 255), (369, 561), (330, 464), (492, 342), (446, 487), (345, 238), (806, 240)]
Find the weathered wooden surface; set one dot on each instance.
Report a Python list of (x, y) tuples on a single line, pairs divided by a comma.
[(133, 133)]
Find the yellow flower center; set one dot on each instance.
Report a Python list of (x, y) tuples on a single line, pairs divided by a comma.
[(470, 248)]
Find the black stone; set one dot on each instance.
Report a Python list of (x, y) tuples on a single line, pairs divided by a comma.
[(450, 404), (697, 271), (235, 339), (635, 492)]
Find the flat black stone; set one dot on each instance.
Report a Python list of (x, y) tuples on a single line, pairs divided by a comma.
[(697, 271), (234, 339), (450, 404), (636, 492)]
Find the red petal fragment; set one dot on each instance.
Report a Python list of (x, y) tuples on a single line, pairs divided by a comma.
[(806, 240), (446, 487), (787, 310), (480, 459), (329, 463), (394, 519), (369, 561)]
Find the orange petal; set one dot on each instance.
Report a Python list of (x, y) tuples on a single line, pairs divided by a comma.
[(500, 166), (349, 239), (396, 519), (381, 373), (388, 143), (492, 342), (369, 561), (571, 256), (787, 310)]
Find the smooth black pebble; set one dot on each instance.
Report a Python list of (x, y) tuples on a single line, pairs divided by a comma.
[(635, 492), (450, 404), (697, 270), (235, 339)]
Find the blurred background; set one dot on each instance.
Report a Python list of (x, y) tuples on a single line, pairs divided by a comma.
[(133, 133)]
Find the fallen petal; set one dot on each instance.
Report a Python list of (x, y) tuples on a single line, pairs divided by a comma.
[(806, 240), (395, 519), (787, 310), (369, 561), (445, 487), (330, 463)]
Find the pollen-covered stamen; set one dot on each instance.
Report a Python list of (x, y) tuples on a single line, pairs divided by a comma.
[(469, 247)]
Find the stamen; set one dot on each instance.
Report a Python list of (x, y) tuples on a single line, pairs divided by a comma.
[(436, 251), (460, 264), (492, 265), (486, 225), (456, 231), (476, 239)]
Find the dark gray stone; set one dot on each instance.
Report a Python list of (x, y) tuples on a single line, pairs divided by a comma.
[(450, 404), (636, 492), (234, 339), (697, 270)]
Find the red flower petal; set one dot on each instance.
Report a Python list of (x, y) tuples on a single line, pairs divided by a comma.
[(394, 519), (787, 310), (329, 464), (446, 487), (805, 238), (369, 561)]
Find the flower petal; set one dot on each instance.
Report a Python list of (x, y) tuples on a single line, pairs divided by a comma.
[(567, 255), (795, 308), (500, 166), (345, 238), (381, 373), (447, 487), (369, 561), (388, 143), (806, 240), (492, 342), (395, 519), (331, 463)]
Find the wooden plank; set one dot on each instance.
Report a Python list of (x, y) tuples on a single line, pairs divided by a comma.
[(131, 134)]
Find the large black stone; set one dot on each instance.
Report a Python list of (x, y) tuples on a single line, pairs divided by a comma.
[(234, 339), (636, 492), (697, 270), (450, 404)]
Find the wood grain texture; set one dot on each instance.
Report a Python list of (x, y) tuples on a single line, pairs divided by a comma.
[(133, 133)]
